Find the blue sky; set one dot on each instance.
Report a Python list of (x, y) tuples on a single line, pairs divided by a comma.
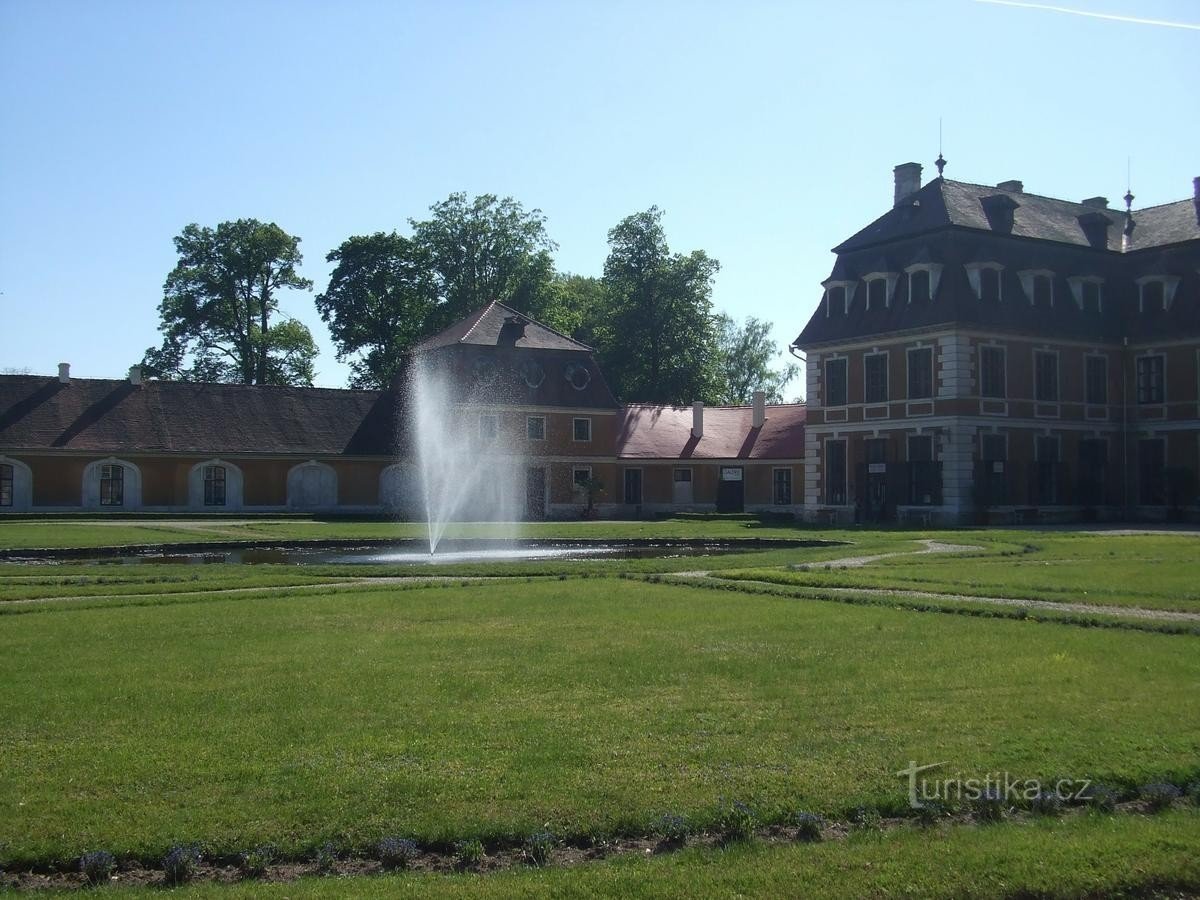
[(767, 131)]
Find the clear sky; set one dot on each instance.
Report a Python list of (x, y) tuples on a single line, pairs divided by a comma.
[(767, 131)]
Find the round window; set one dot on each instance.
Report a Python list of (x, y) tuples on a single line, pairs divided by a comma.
[(532, 373), (578, 375), (484, 369)]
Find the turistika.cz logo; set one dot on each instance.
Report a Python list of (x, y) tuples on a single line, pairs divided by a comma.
[(923, 789)]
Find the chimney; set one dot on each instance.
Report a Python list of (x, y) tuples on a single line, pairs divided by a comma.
[(908, 181), (64, 373), (135, 376), (697, 419), (1017, 187), (1096, 202), (760, 409)]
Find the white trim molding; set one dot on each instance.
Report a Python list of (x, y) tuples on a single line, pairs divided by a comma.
[(22, 487), (312, 485), (1170, 283), (973, 276), (1076, 283), (1029, 279), (131, 479), (234, 482), (935, 276), (848, 288), (890, 278)]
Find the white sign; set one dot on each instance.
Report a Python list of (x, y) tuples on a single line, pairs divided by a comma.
[(876, 468), (731, 474)]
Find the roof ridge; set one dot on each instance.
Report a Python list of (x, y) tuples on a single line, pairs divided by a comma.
[(541, 324), (479, 318), (993, 187)]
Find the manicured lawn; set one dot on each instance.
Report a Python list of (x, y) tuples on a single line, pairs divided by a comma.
[(1160, 571), (589, 704), (1085, 856)]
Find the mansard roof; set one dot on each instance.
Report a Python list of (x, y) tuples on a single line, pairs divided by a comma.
[(943, 203), (498, 325)]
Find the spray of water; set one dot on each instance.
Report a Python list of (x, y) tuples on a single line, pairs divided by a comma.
[(468, 463)]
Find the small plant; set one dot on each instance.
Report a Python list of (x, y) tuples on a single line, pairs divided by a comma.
[(736, 822), (990, 807), (931, 811), (97, 867), (325, 858), (864, 817), (808, 827), (180, 863), (254, 863), (538, 847), (1046, 803), (672, 830), (1101, 798), (1159, 795), (468, 854), (396, 852)]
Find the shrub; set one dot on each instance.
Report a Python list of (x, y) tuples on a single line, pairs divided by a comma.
[(254, 863), (396, 852), (808, 826), (538, 847), (673, 830), (736, 822), (468, 854), (1159, 795), (180, 863), (990, 807), (1046, 803), (325, 857), (1101, 798), (930, 811), (97, 867)]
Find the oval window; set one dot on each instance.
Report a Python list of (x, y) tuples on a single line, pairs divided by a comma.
[(532, 373), (578, 375), (484, 369)]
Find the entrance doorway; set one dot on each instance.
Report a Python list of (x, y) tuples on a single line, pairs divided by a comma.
[(633, 487), (731, 492), (535, 493), (877, 506)]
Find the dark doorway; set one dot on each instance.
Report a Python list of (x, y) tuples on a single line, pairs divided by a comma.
[(876, 502), (535, 493), (633, 487), (731, 490)]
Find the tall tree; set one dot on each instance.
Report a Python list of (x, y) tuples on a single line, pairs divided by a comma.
[(483, 250), (380, 301), (746, 353), (219, 302), (659, 343)]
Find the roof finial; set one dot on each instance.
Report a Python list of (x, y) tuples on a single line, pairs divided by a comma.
[(940, 162), (1127, 231)]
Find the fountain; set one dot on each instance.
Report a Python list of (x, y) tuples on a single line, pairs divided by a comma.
[(469, 466)]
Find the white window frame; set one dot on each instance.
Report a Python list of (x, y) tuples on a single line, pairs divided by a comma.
[(847, 294), (1004, 369), (575, 432), (1148, 355), (1041, 351), (845, 360), (791, 485), (973, 276), (1029, 279), (932, 373), (529, 420), (887, 377), (575, 470), (889, 279), (935, 276), (1076, 283), (1169, 285), (691, 475)]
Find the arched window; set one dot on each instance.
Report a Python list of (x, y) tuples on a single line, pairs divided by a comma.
[(6, 485), (989, 285), (112, 484), (877, 293), (16, 485), (918, 286), (312, 485), (835, 301), (214, 485)]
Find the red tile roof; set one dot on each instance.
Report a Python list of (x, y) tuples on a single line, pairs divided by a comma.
[(664, 432)]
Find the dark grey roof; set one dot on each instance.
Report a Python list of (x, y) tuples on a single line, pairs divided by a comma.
[(944, 203), (110, 416), (499, 325)]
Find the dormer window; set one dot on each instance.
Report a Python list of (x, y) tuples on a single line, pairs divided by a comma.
[(1038, 285), (1095, 228), (1088, 291), (838, 295), (999, 210), (985, 280), (1156, 293), (877, 293), (923, 278)]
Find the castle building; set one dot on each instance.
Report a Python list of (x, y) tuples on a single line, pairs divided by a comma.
[(986, 354), (105, 445)]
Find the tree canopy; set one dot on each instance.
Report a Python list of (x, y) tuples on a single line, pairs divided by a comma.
[(746, 353), (658, 341), (219, 302)]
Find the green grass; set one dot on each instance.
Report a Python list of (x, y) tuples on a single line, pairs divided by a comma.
[(1085, 856), (1160, 571), (491, 710)]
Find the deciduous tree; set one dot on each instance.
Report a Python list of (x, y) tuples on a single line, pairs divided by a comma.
[(746, 354)]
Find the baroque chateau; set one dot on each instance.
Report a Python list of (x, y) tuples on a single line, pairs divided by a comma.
[(979, 354)]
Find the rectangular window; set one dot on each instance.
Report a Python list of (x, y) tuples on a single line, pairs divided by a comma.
[(875, 378), (993, 483), (535, 428), (877, 293), (214, 485), (782, 487), (6, 485), (1045, 376), (633, 486), (920, 373), (835, 382), (682, 476), (1090, 294), (112, 485), (1095, 371), (1043, 290), (993, 380), (581, 429), (1153, 297), (1151, 387), (581, 475), (489, 427), (835, 301), (989, 285), (924, 474), (835, 473), (1046, 481), (918, 285), (1152, 482)]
